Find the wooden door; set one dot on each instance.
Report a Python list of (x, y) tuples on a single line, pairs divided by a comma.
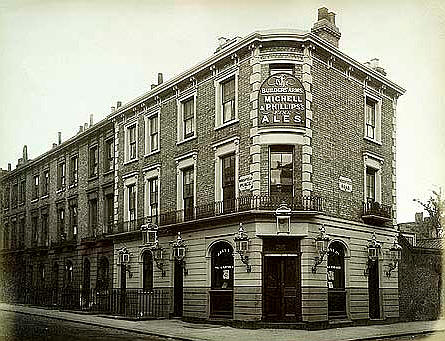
[(374, 290), (282, 297)]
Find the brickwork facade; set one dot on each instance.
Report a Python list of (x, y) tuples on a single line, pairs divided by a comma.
[(193, 156)]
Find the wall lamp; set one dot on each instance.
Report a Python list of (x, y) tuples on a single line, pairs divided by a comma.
[(149, 233), (373, 252), (179, 249), (395, 252), (321, 244), (242, 246), (157, 252), (283, 214), (124, 258)]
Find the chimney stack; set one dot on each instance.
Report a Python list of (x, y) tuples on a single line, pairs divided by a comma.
[(25, 153), (9, 167), (60, 137), (118, 104), (54, 145), (374, 64), (325, 27), (113, 109), (91, 120), (160, 78), (153, 86), (85, 126), (80, 129)]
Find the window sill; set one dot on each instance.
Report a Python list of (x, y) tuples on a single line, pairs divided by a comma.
[(152, 153), (22, 203), (72, 185), (92, 178), (108, 172), (34, 200), (130, 161), (236, 120), (372, 140), (44, 197), (60, 190), (186, 140)]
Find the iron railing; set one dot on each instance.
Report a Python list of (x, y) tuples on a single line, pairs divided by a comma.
[(219, 208), (133, 302), (373, 208)]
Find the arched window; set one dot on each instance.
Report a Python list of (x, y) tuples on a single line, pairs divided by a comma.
[(147, 271), (42, 275), (336, 280), (222, 266), (69, 271), (221, 293), (103, 274)]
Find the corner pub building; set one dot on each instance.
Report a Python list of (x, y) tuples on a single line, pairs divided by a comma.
[(256, 187)]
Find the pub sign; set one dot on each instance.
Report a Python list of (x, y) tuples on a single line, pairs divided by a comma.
[(282, 102)]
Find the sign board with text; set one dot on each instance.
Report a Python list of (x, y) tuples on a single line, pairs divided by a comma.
[(345, 184), (282, 102), (245, 183)]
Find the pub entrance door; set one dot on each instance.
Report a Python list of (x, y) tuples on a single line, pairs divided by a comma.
[(178, 288), (281, 279), (373, 289)]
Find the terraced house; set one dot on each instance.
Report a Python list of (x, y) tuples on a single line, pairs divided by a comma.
[(258, 186)]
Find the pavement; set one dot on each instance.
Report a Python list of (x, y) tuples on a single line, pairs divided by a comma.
[(180, 330)]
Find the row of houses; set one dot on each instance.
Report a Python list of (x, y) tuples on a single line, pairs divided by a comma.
[(258, 185)]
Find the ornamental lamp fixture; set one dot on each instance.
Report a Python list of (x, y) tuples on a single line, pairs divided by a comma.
[(283, 214), (242, 246), (321, 245), (373, 248), (149, 233), (157, 252), (395, 252), (179, 250), (124, 258)]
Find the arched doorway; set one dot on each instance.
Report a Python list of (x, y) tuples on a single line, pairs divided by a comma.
[(336, 281), (103, 273), (221, 293)]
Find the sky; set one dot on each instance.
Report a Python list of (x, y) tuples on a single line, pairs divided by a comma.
[(61, 61)]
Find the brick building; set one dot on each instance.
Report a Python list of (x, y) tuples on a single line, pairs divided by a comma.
[(251, 187)]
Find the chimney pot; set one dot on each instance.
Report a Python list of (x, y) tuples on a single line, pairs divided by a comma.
[(91, 120), (60, 137), (322, 13), (113, 109), (331, 17), (374, 63), (9, 167), (153, 86), (54, 145), (81, 129), (160, 78), (419, 217), (118, 104), (85, 126), (25, 153)]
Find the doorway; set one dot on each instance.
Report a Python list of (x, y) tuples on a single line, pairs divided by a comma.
[(86, 282), (373, 289), (281, 279), (336, 281), (178, 288)]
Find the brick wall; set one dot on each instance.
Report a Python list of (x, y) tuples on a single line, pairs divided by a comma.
[(420, 272)]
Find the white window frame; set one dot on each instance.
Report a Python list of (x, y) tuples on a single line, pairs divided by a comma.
[(127, 140), (184, 162), (223, 149), (148, 147), (130, 179), (375, 162), (150, 174), (378, 118), (218, 98), (180, 105)]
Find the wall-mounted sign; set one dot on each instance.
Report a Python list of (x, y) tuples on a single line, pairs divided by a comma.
[(245, 183), (282, 102), (345, 184)]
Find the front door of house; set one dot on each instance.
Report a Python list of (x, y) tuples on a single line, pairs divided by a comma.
[(373, 289), (281, 280), (178, 289)]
